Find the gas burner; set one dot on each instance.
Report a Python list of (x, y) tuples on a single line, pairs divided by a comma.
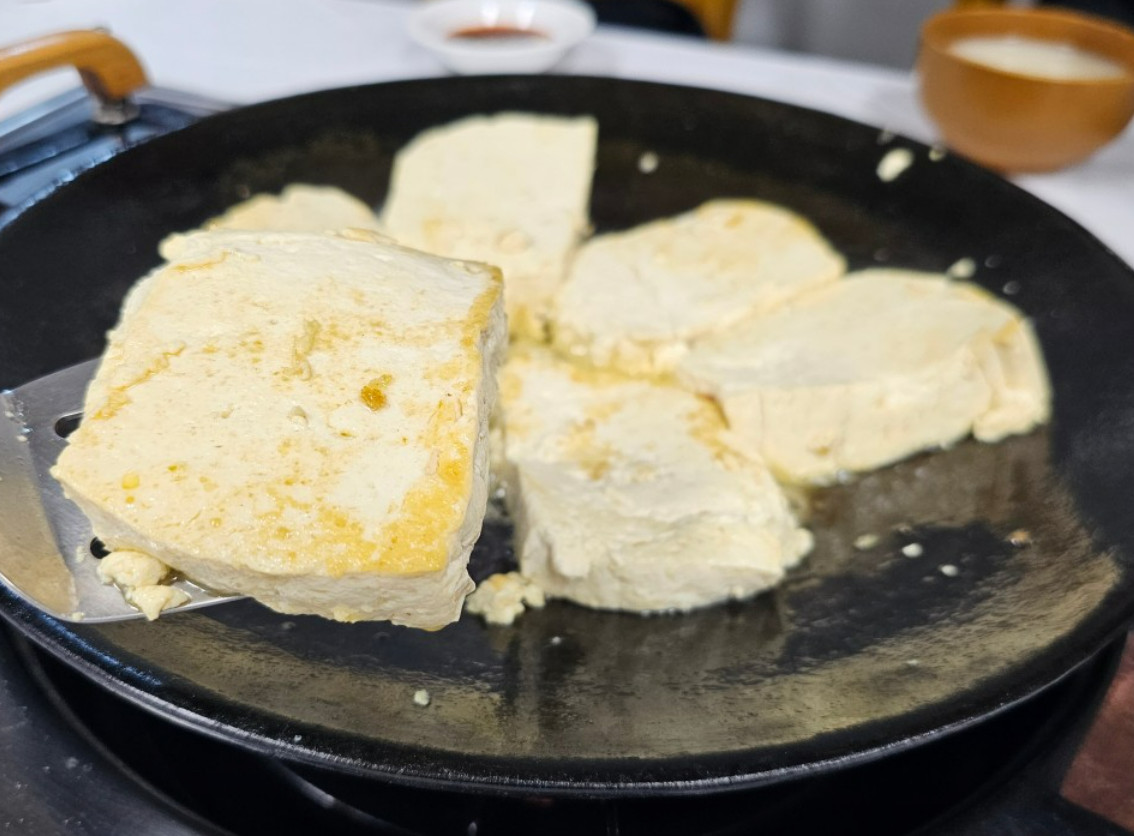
[(1003, 773)]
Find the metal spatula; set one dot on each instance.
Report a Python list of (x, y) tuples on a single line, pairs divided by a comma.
[(48, 554)]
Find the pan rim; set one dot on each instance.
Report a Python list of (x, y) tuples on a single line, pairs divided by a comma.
[(489, 775)]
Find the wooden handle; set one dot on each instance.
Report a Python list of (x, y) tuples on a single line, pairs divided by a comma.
[(107, 67)]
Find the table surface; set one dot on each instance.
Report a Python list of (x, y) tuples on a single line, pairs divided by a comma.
[(243, 51)]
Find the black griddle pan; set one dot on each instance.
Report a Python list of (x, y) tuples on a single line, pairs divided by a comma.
[(860, 653)]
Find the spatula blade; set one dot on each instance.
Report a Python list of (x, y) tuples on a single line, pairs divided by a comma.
[(46, 555)]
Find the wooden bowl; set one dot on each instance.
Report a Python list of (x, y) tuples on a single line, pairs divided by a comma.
[(1015, 122)]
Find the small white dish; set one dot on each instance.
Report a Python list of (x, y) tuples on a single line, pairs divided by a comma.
[(500, 36)]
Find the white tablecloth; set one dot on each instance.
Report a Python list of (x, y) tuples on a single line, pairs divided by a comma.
[(243, 51)]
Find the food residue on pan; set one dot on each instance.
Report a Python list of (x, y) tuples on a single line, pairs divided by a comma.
[(962, 268), (503, 597), (896, 161), (865, 542), (1020, 537)]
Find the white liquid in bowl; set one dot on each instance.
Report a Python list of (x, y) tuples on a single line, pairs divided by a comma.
[(1031, 56)]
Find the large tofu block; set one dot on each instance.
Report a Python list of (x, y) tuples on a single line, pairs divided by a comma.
[(872, 369), (636, 300), (628, 494), (301, 418), (511, 190)]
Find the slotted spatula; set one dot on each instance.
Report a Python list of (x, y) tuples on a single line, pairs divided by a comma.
[(48, 553)]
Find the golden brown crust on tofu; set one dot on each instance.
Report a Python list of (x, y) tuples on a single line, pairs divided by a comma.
[(301, 418)]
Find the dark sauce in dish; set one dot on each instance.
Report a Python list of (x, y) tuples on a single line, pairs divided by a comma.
[(496, 33)]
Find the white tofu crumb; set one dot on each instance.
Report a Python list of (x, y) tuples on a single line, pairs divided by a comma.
[(648, 162), (913, 663), (937, 154), (421, 697), (501, 598), (894, 163), (913, 550), (866, 541), (296, 738), (140, 577), (1020, 537), (129, 568), (963, 268), (949, 570), (153, 599)]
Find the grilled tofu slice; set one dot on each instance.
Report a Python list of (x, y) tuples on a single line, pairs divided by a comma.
[(510, 189), (869, 370), (628, 494), (298, 208), (636, 300), (301, 418)]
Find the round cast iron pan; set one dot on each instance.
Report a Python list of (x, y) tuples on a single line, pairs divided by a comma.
[(860, 653)]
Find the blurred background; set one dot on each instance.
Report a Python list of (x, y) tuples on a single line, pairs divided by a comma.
[(878, 31), (875, 31)]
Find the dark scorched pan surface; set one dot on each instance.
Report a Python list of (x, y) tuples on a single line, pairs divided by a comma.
[(861, 651)]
